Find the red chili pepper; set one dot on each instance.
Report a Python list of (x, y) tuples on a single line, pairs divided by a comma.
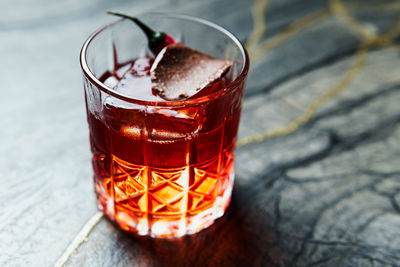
[(157, 40)]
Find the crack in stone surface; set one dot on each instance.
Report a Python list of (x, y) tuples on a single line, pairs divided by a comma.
[(323, 62)]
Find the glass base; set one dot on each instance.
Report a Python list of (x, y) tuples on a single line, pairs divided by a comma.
[(171, 226)]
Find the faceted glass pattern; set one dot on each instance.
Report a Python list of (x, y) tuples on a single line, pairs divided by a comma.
[(166, 202)]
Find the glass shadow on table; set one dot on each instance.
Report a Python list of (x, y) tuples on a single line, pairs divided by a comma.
[(242, 237)]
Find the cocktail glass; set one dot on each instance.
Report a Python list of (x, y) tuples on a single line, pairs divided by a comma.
[(163, 169)]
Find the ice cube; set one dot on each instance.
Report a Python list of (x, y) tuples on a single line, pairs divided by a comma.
[(161, 134), (155, 134), (131, 131), (189, 113), (111, 102), (111, 81), (179, 72), (121, 71)]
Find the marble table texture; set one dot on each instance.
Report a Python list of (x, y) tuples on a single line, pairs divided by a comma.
[(317, 164)]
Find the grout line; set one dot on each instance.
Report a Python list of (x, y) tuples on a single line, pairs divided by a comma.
[(340, 12), (79, 239), (361, 56), (257, 10), (295, 27), (350, 75)]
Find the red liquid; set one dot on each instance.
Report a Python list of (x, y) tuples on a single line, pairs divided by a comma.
[(163, 171)]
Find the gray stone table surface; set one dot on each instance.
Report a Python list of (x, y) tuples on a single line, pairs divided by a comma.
[(318, 158)]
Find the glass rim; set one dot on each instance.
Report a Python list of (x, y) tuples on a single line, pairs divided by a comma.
[(185, 102)]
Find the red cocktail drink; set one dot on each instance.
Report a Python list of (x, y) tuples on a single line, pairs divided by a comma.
[(161, 168)]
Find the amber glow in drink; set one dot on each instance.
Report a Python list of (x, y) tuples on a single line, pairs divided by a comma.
[(162, 168)]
